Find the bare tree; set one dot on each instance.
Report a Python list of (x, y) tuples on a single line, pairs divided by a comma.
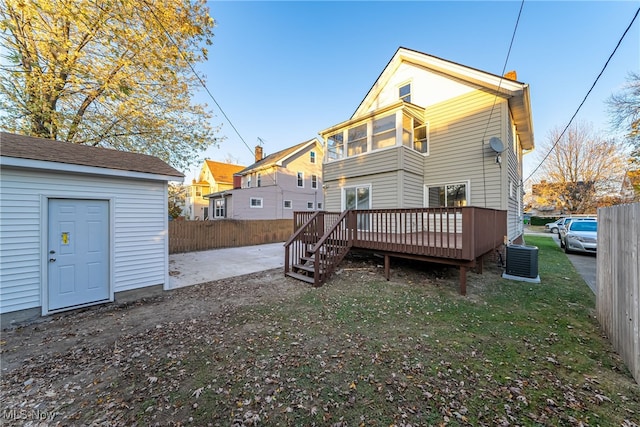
[(624, 109), (582, 167)]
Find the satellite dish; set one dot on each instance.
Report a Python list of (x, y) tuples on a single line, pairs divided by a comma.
[(496, 144)]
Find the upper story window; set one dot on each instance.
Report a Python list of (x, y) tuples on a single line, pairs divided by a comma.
[(312, 157), (421, 137), (249, 181), (259, 180), (384, 132), (335, 146), (404, 92), (404, 126), (314, 181), (357, 140), (300, 179)]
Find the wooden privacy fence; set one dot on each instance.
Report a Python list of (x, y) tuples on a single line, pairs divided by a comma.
[(189, 236), (618, 281)]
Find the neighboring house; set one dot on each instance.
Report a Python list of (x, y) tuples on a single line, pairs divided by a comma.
[(214, 177), (274, 186), (631, 186), (432, 133), (79, 225)]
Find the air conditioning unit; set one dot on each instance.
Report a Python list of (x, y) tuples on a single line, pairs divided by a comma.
[(522, 263)]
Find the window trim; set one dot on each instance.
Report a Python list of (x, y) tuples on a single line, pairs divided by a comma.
[(403, 84), (216, 208), (312, 156), (251, 205), (310, 206), (399, 109), (428, 138), (300, 179), (314, 181), (284, 204), (466, 183), (259, 179), (343, 200)]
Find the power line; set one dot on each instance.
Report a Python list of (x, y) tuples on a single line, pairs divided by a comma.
[(504, 67), (585, 97), (184, 57)]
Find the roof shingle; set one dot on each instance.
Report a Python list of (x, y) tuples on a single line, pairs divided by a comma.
[(32, 148)]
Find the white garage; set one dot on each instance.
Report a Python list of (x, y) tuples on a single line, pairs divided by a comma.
[(79, 225)]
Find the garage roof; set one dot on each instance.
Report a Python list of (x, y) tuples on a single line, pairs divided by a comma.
[(32, 148)]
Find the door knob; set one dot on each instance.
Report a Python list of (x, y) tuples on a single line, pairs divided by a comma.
[(52, 260)]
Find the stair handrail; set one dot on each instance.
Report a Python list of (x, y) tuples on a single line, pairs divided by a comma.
[(295, 235), (326, 235)]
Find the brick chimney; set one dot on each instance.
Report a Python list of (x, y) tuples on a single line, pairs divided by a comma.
[(258, 153), (511, 75)]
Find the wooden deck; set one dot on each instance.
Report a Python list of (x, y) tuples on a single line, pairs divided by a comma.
[(455, 236)]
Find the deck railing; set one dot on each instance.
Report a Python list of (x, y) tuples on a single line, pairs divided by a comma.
[(458, 235)]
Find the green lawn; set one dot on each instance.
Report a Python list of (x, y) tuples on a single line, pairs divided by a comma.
[(413, 352)]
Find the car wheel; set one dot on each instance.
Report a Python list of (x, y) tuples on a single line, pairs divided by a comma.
[(566, 249), (554, 230)]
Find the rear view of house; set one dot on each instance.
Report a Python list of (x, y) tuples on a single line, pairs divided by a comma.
[(429, 167), (79, 225), (432, 133), (274, 186)]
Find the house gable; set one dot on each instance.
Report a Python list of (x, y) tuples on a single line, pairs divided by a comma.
[(434, 80)]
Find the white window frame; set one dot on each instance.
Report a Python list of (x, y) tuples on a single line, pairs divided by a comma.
[(217, 208), (467, 187), (312, 156), (319, 206), (428, 138), (343, 200), (285, 202), (309, 206), (403, 84), (300, 179), (259, 179), (258, 205), (314, 181), (249, 181)]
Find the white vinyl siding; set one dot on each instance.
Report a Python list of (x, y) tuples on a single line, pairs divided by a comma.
[(138, 234)]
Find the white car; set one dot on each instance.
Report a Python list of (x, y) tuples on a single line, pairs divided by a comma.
[(564, 226), (581, 235), (553, 227)]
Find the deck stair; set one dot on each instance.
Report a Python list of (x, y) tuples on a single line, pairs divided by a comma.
[(314, 261)]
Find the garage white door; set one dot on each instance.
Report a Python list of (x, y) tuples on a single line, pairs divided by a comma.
[(78, 252)]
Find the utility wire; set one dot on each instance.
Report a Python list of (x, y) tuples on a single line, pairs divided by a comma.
[(504, 67), (585, 97), (184, 57)]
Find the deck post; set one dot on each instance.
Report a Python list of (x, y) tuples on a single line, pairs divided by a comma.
[(463, 280), (387, 267), (286, 259)]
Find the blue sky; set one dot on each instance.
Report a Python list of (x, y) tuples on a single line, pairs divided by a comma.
[(283, 71)]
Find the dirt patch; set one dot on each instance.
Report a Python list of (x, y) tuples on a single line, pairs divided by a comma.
[(91, 366)]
